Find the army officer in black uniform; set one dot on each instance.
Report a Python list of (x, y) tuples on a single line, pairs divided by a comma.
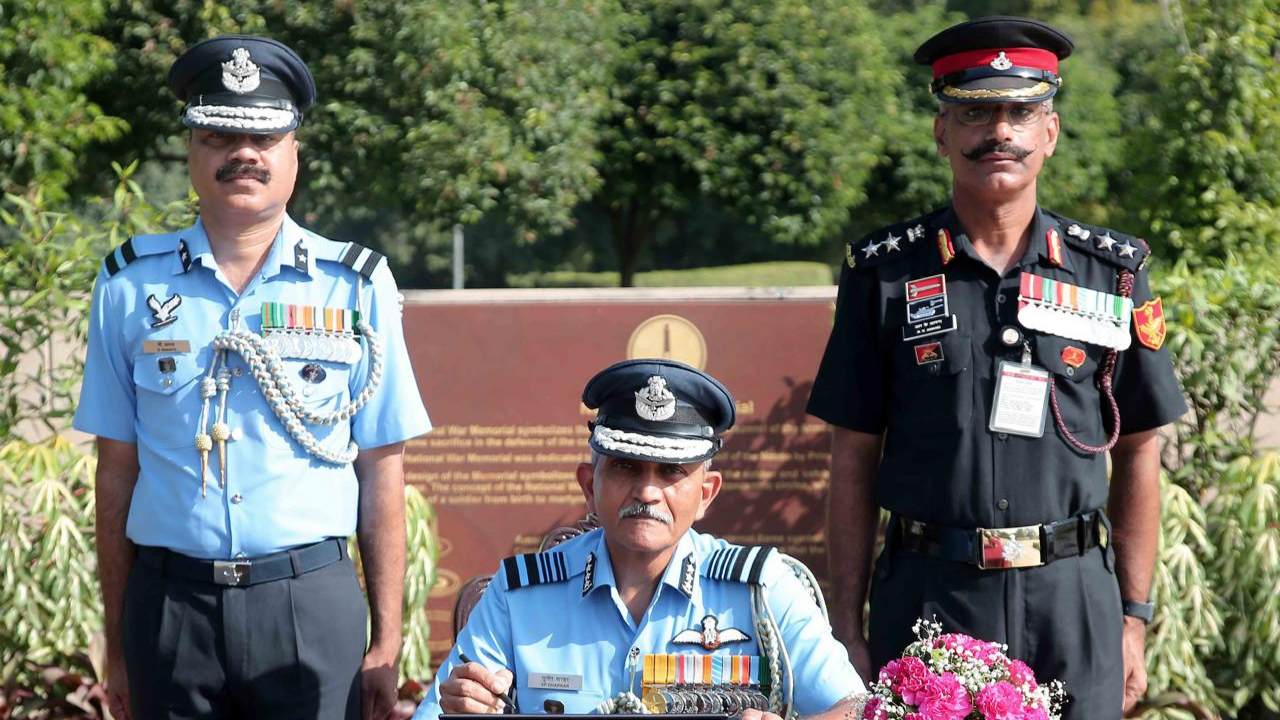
[(985, 360)]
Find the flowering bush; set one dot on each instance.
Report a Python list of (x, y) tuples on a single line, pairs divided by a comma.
[(956, 677)]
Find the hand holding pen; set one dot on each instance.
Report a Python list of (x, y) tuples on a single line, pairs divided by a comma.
[(474, 689)]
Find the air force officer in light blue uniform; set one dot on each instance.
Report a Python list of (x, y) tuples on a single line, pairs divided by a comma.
[(646, 600), (251, 393)]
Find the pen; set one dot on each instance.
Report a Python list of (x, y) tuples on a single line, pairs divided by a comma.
[(501, 696)]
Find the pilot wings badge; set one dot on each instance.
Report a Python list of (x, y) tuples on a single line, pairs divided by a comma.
[(710, 636), (655, 402), (163, 311), (241, 74)]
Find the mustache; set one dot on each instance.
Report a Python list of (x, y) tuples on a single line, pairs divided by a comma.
[(991, 146), (239, 169), (639, 509)]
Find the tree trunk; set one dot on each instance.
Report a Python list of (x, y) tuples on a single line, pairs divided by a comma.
[(632, 230)]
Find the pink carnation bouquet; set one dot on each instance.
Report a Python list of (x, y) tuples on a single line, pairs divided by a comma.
[(956, 677)]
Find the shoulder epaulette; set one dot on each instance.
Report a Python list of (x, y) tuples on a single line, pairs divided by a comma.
[(535, 569), (737, 563), (889, 243), (359, 258), (134, 248), (1114, 248)]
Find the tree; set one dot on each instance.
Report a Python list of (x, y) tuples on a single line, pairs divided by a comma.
[(772, 108), (1212, 151), (429, 113), (48, 54)]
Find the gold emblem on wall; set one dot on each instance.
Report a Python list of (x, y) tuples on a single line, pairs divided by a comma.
[(670, 337)]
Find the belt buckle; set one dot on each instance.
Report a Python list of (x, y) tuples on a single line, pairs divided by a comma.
[(1009, 547), (230, 572)]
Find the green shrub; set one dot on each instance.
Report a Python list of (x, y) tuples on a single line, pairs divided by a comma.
[(767, 274), (1217, 627)]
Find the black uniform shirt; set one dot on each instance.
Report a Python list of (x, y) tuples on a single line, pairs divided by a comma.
[(941, 464)]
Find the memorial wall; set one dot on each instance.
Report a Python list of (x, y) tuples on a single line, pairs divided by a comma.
[(502, 374)]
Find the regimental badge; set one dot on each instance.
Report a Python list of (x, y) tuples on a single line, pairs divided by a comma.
[(240, 74), (1076, 231), (848, 256), (162, 312), (1055, 246), (915, 233), (928, 353), (710, 636), (945, 248), (1001, 62), (655, 402), (1073, 356), (1148, 323)]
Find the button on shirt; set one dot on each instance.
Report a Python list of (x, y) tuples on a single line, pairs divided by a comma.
[(941, 463), (142, 378), (557, 628)]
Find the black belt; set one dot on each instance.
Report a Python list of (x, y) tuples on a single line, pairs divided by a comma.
[(997, 548), (251, 571)]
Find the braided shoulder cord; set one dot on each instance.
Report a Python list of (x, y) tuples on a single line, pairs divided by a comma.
[(781, 697), (1106, 372)]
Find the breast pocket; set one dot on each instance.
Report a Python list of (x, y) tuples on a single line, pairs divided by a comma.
[(167, 392), (321, 389), (932, 384), (1074, 366), (572, 702)]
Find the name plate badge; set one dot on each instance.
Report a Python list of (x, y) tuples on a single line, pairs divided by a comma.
[(553, 681), (1021, 400), (165, 347)]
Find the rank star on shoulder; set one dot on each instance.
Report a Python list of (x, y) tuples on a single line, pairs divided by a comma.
[(891, 242), (1126, 250), (1105, 241), (872, 249)]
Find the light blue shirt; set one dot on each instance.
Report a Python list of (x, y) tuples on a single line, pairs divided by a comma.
[(142, 379), (564, 624)]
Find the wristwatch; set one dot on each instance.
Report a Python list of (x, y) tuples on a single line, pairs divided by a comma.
[(1144, 611)]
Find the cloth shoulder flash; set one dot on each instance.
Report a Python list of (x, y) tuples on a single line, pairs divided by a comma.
[(136, 247), (532, 569), (1113, 248), (355, 256), (889, 243), (737, 563)]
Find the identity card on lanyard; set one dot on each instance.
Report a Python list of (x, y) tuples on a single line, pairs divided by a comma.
[(1022, 397)]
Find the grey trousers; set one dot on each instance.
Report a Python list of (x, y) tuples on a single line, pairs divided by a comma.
[(1062, 619), (284, 650)]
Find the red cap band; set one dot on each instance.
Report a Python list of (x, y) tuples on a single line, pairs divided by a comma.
[(1020, 57)]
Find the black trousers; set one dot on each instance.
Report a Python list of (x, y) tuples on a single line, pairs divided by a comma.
[(1063, 619), (278, 650)]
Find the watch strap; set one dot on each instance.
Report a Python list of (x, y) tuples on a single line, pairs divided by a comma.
[(1144, 611)]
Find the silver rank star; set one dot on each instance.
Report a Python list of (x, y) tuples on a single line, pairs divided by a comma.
[(872, 249), (1126, 250), (891, 242), (1105, 241)]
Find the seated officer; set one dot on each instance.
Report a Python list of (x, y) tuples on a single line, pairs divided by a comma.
[(645, 609)]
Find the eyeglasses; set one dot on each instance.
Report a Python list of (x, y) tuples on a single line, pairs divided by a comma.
[(1016, 114)]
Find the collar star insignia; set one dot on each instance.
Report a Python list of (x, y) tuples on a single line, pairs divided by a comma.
[(589, 574), (891, 242), (688, 575), (1126, 250), (710, 636), (1105, 241), (872, 249)]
